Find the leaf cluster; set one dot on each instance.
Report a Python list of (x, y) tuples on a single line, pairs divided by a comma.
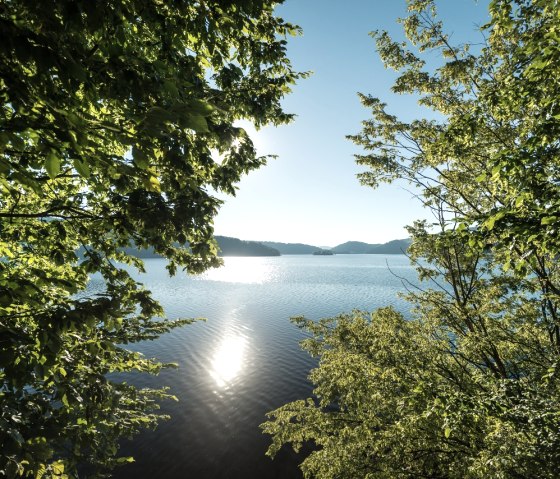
[(467, 386), (117, 128)]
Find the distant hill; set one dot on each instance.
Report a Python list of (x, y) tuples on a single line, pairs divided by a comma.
[(392, 247), (236, 247), (228, 247), (357, 247), (291, 248), (352, 247)]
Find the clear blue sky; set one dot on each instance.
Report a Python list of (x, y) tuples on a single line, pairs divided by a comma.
[(310, 193)]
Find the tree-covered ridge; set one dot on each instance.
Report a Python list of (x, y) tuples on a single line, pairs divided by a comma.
[(357, 247), (468, 386), (291, 248), (350, 247), (110, 116), (226, 247), (235, 247)]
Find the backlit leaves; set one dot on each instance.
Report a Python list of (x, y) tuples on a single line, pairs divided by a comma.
[(52, 164), (109, 115), (469, 389)]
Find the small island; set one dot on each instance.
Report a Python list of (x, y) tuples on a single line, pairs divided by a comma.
[(323, 252)]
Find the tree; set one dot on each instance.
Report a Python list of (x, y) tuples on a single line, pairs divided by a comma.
[(113, 115), (468, 385)]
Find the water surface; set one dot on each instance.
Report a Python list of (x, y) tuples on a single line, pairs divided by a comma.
[(245, 360)]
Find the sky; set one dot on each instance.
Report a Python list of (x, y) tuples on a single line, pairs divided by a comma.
[(310, 193)]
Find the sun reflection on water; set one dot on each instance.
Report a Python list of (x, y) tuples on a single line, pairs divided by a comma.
[(241, 270), (227, 362)]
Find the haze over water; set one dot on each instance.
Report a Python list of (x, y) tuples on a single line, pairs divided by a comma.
[(245, 359)]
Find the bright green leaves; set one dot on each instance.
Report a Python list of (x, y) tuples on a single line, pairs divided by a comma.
[(377, 411), (82, 168), (107, 127), (192, 115), (151, 183), (550, 220), (468, 389), (197, 123), (52, 164), (181, 116), (491, 221), (201, 107)]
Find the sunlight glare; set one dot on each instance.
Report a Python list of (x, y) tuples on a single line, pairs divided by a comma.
[(259, 138), (241, 270), (227, 362)]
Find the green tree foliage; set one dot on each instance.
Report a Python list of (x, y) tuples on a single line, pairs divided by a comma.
[(468, 386), (112, 116)]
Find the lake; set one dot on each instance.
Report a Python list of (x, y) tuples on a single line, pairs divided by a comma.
[(245, 359)]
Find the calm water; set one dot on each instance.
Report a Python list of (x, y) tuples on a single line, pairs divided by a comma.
[(245, 359)]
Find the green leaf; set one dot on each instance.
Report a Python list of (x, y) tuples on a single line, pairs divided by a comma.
[(4, 167), (152, 184), (41, 471), (447, 432), (58, 468), (57, 257), (489, 223), (482, 177), (197, 123), (82, 168), (52, 164), (141, 160), (202, 107), (95, 111)]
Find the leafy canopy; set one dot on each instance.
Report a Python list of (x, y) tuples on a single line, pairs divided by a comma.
[(112, 115), (467, 387)]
